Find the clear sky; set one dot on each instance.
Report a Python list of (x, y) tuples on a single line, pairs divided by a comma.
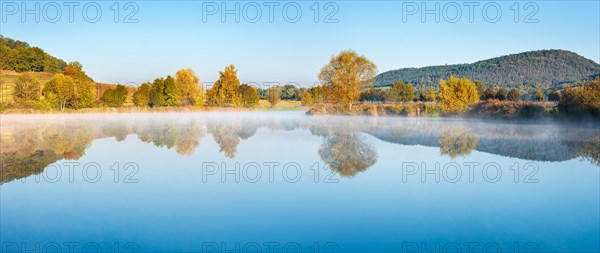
[(170, 35)]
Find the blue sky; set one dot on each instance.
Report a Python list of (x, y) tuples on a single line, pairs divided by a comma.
[(170, 35)]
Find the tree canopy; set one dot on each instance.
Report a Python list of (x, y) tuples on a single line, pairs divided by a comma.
[(345, 75)]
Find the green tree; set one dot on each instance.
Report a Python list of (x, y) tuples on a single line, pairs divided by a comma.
[(157, 97), (171, 93), (539, 96), (346, 74), (249, 96), (27, 88), (456, 94), (187, 82), (513, 95), (402, 92), (84, 86), (115, 97)]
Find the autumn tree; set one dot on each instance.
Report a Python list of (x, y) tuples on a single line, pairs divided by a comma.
[(84, 86), (273, 97), (347, 153), (456, 94), (225, 89), (314, 95), (583, 101), (402, 92), (430, 95), (60, 91), (539, 96), (345, 75), (513, 95), (307, 99), (141, 97), (27, 89), (248, 96), (187, 82)]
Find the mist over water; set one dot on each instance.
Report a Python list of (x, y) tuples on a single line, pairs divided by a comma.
[(196, 181)]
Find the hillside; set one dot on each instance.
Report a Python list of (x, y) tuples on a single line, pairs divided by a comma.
[(21, 57), (544, 67)]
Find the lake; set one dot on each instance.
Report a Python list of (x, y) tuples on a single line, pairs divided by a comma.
[(287, 182)]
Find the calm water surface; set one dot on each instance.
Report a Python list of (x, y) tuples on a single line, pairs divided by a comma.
[(286, 182)]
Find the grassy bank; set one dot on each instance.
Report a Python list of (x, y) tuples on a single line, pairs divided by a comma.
[(263, 106), (492, 109), (382, 109)]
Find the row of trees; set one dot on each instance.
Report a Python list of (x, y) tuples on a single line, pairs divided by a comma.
[(71, 88), (184, 90)]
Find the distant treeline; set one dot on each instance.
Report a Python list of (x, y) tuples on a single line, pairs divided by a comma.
[(19, 56)]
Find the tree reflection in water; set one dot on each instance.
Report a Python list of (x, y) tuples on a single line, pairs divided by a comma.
[(458, 143), (30, 145), (347, 153)]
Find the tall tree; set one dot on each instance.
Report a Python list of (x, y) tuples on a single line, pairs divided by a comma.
[(345, 75), (171, 93), (84, 86), (225, 90), (157, 97)]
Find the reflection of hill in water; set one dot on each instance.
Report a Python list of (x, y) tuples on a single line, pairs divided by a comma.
[(29, 146), (530, 149), (539, 142)]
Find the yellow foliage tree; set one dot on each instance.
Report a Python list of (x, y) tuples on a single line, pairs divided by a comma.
[(345, 75), (456, 94), (225, 90), (186, 82)]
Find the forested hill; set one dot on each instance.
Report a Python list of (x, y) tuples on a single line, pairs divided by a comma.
[(21, 57), (544, 67)]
